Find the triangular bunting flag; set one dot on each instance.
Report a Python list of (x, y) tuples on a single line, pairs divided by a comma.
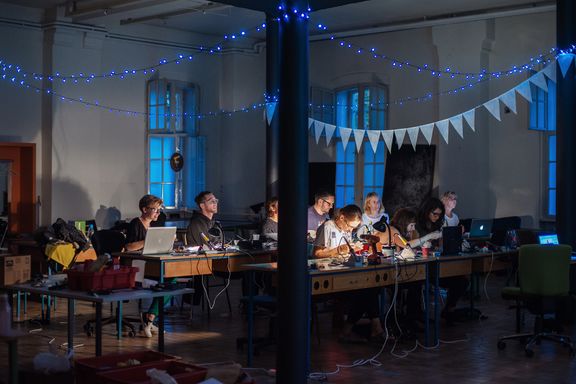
[(550, 72), (469, 116), (564, 61), (427, 131), (270, 110), (310, 123), (540, 81), (509, 100), (329, 131), (359, 138), (374, 138), (400, 134), (493, 106), (413, 135), (524, 90), (456, 122), (318, 129), (388, 137), (345, 135), (443, 129)]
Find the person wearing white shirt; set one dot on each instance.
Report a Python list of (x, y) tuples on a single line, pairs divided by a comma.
[(449, 199), (373, 212)]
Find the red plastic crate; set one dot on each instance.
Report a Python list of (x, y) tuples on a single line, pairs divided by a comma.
[(86, 369), (104, 280), (183, 373)]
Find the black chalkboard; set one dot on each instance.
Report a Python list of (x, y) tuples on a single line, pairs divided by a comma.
[(409, 176)]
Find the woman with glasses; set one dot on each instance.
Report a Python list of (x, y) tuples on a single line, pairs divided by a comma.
[(334, 239), (431, 219), (150, 208)]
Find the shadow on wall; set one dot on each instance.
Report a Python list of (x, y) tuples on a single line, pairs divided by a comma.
[(70, 201), (106, 217)]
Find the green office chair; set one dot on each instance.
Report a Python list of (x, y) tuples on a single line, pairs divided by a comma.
[(544, 277)]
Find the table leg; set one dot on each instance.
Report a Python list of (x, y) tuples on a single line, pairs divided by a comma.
[(13, 361), (427, 305), (119, 320), (70, 324), (436, 303), (161, 324), (250, 315), (98, 329)]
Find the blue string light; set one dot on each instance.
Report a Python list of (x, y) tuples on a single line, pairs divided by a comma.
[(451, 72)]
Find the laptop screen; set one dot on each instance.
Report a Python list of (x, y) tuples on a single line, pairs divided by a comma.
[(480, 228), (548, 239)]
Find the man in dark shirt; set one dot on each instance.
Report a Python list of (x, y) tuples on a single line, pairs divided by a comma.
[(202, 219)]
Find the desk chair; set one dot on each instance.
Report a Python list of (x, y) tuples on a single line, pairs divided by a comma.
[(543, 273), (110, 241)]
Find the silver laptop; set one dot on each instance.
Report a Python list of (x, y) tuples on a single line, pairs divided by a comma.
[(159, 240)]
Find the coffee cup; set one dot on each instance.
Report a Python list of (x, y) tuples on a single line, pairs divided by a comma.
[(425, 251)]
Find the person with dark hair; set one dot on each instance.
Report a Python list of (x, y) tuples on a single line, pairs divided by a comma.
[(202, 219), (318, 213), (150, 208), (431, 220), (403, 223), (270, 225), (334, 239)]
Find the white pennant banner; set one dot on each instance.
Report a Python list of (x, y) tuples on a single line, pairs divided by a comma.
[(310, 123), (443, 129), (427, 131), (374, 138), (388, 137), (318, 129), (345, 135), (493, 106), (524, 90), (564, 61), (470, 117), (456, 122), (329, 131), (550, 72), (359, 138), (509, 100), (540, 81), (400, 133), (413, 135)]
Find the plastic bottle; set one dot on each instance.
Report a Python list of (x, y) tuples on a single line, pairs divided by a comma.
[(90, 232)]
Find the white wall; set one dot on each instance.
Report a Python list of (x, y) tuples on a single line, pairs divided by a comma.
[(98, 158)]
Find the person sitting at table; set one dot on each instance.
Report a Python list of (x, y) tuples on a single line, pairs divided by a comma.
[(202, 220), (318, 213), (150, 208), (403, 223), (373, 211), (270, 225), (449, 199), (430, 219), (334, 239)]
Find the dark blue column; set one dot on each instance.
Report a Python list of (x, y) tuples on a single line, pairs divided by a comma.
[(273, 49), (293, 287), (565, 129)]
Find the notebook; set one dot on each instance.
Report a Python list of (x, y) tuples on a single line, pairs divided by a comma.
[(159, 240), (480, 228), (551, 239)]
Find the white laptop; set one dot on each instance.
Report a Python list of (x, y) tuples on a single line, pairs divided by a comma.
[(159, 240)]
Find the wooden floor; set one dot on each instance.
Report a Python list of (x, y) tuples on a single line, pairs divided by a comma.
[(467, 353)]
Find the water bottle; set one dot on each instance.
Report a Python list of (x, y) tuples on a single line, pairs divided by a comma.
[(90, 231)]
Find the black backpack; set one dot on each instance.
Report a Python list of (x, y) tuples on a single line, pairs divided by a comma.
[(70, 234)]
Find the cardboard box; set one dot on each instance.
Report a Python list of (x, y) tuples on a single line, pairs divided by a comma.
[(14, 269)]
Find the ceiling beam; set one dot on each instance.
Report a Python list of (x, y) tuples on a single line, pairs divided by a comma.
[(270, 6)]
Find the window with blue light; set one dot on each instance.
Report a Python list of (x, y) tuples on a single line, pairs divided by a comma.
[(543, 118), (357, 174), (172, 128)]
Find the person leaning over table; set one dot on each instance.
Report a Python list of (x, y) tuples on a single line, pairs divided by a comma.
[(430, 219), (330, 241), (150, 208), (270, 225)]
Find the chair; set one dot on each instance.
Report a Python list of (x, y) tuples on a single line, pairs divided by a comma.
[(543, 274), (110, 241)]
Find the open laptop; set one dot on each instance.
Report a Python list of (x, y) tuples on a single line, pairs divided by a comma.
[(480, 229), (451, 241), (549, 239), (159, 240)]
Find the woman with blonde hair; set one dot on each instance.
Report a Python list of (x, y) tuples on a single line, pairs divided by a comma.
[(373, 211)]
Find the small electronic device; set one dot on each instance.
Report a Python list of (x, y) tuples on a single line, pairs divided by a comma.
[(550, 239)]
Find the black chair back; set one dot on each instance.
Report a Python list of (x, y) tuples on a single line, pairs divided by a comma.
[(108, 241)]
